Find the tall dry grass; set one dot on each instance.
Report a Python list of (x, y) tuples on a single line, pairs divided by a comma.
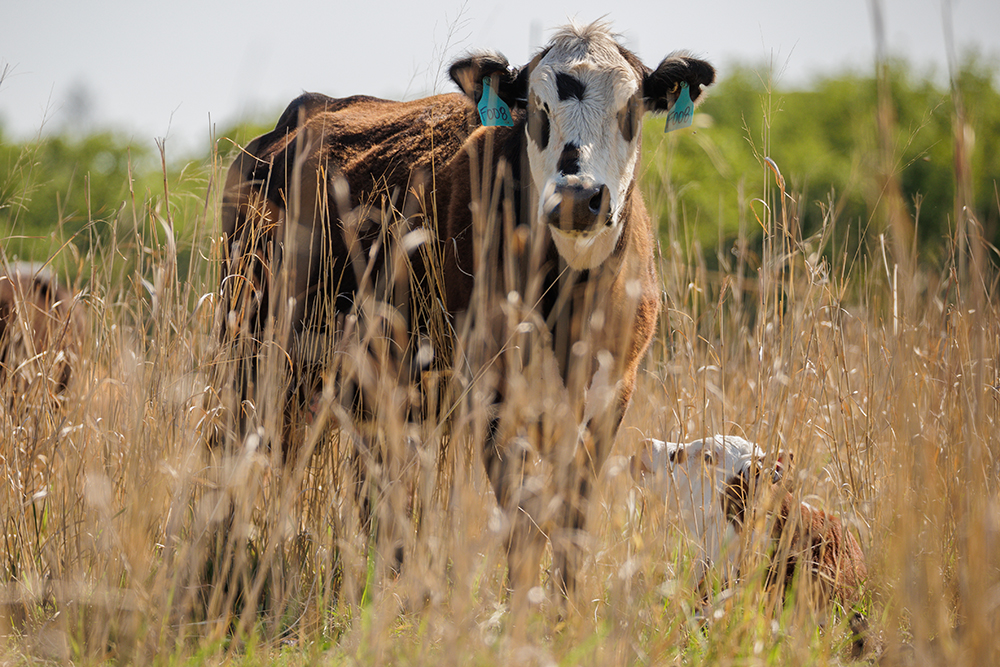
[(126, 538)]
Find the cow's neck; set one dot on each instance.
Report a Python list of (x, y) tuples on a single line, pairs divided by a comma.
[(570, 301)]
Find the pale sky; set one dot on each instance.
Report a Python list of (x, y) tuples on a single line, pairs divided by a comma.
[(173, 67)]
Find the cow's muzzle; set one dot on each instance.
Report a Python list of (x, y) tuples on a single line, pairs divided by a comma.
[(578, 208)]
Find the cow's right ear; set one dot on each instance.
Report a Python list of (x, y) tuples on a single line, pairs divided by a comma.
[(643, 461), (637, 467), (511, 82), (661, 88)]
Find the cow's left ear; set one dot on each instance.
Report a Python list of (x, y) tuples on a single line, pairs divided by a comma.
[(511, 82), (661, 88)]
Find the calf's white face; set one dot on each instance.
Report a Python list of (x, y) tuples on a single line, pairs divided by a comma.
[(699, 479)]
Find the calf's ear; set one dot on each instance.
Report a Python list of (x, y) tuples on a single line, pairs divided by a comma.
[(637, 467), (661, 88), (783, 461), (511, 83)]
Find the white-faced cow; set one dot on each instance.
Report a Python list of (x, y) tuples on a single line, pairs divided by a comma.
[(715, 483), (538, 242)]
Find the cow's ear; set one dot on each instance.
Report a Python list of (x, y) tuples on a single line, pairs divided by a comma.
[(511, 82), (661, 88)]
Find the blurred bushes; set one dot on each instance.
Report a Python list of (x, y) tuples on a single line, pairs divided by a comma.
[(823, 139), (65, 183)]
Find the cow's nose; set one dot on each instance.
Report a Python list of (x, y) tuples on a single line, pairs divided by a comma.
[(579, 208)]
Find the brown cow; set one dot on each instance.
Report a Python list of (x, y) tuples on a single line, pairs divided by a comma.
[(812, 548), (40, 328), (536, 240)]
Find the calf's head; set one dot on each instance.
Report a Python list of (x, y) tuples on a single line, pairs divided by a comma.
[(709, 481), (585, 96)]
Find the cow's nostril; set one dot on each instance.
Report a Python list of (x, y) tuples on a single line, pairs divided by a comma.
[(597, 200)]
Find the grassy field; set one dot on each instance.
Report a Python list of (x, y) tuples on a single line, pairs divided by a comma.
[(125, 539)]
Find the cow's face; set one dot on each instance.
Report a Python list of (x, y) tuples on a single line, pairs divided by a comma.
[(709, 468), (584, 101), (585, 96)]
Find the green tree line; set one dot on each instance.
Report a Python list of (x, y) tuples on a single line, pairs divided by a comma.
[(706, 181)]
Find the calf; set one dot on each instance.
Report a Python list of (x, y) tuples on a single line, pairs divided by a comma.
[(705, 481), (714, 482), (531, 235)]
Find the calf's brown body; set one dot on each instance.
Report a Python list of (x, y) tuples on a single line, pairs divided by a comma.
[(814, 544)]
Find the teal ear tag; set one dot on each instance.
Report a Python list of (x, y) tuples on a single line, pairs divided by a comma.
[(493, 111), (682, 113)]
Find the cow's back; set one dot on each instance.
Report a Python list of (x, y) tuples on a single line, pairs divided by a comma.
[(331, 163), (306, 210), (38, 321), (374, 144)]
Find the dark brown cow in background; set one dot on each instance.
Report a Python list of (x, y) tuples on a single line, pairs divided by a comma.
[(40, 328), (533, 237)]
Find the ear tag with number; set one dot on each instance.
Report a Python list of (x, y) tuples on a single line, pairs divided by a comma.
[(682, 113), (493, 111)]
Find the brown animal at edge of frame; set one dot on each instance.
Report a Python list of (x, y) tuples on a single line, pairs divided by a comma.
[(40, 329)]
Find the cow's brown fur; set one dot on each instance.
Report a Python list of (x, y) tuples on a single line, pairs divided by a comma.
[(809, 547), (309, 197), (40, 326), (807, 542), (377, 148)]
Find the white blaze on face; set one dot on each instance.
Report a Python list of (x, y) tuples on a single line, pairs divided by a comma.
[(692, 478), (581, 94)]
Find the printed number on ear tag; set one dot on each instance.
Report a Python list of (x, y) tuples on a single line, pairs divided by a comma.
[(493, 111), (682, 113)]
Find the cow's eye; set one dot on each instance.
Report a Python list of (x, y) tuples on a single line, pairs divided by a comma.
[(538, 127), (628, 120)]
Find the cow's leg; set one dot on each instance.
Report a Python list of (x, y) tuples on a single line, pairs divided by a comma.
[(525, 547), (578, 478), (507, 468), (569, 539)]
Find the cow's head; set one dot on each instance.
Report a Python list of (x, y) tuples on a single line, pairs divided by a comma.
[(585, 96)]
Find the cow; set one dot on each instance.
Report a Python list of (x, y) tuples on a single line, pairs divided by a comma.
[(531, 238), (40, 329), (716, 481)]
